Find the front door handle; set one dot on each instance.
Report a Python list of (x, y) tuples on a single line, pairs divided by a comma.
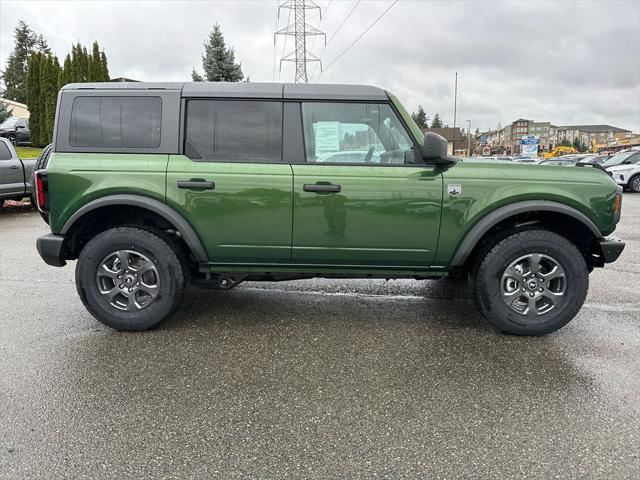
[(196, 184), (321, 187), (13, 167)]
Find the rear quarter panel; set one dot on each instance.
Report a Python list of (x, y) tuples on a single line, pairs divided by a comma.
[(75, 179), (489, 186)]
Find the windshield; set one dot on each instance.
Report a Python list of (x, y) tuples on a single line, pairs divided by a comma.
[(10, 122), (618, 159)]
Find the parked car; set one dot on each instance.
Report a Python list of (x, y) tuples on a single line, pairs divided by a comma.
[(526, 160), (217, 183), (16, 130), (559, 161), (595, 159), (15, 174), (624, 167)]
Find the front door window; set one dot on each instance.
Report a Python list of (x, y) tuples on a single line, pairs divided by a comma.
[(355, 133)]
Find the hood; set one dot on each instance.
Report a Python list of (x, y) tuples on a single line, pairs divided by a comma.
[(623, 167)]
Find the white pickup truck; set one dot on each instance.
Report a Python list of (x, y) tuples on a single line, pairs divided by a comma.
[(16, 175)]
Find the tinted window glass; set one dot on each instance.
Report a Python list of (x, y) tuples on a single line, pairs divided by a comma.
[(116, 122), (354, 133), (5, 154), (228, 130)]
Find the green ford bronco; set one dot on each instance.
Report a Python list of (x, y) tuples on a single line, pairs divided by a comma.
[(151, 186)]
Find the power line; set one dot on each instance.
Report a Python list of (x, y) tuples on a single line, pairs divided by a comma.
[(358, 38), (343, 22), (313, 42), (333, 36)]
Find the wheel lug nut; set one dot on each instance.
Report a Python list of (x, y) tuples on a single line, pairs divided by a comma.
[(121, 286), (541, 289), (531, 294), (131, 289)]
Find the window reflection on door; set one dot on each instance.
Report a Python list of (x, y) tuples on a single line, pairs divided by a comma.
[(346, 133)]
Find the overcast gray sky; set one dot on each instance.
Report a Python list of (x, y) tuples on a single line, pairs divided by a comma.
[(567, 62)]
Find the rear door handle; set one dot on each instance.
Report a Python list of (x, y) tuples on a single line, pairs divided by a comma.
[(196, 184), (13, 167), (321, 187)]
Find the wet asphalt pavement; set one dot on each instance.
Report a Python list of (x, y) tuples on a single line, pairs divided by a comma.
[(318, 378)]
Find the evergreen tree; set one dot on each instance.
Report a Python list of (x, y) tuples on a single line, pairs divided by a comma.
[(5, 111), (41, 45), (49, 89), (195, 76), (33, 96), (420, 118), (84, 64), (576, 143), (65, 75), (15, 73), (437, 121), (95, 64), (45, 70), (105, 67), (74, 76), (218, 61)]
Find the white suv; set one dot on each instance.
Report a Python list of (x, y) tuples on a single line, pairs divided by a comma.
[(625, 169)]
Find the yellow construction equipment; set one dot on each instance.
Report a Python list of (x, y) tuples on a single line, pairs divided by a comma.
[(559, 151)]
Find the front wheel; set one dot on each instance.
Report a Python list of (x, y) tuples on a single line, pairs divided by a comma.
[(531, 283), (130, 279), (634, 184)]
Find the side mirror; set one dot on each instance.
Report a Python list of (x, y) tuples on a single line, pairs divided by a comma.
[(434, 150)]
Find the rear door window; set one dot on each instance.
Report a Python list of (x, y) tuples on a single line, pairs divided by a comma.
[(116, 122), (234, 131)]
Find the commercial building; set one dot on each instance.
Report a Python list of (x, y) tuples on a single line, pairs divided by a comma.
[(588, 134), (507, 140)]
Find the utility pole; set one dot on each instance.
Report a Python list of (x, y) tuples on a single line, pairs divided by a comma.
[(468, 138), (300, 30), (455, 111)]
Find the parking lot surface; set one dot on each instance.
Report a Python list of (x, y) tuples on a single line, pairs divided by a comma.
[(318, 378)]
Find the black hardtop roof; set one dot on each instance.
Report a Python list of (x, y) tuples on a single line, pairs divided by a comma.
[(301, 91)]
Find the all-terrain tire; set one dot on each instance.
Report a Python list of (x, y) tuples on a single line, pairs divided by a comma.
[(167, 269), (502, 304), (634, 184)]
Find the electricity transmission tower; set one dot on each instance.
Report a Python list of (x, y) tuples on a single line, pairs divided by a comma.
[(300, 30)]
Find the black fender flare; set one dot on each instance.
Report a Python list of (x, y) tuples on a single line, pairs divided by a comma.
[(476, 233), (169, 214)]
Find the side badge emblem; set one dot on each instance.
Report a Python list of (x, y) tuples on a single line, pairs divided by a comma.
[(454, 189)]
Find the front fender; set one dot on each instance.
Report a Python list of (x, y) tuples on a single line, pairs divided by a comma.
[(476, 233)]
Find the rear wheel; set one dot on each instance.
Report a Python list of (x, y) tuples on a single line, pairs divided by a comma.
[(634, 184), (531, 283), (130, 279)]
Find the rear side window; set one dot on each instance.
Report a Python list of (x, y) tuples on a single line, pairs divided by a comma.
[(234, 131), (116, 122), (5, 154)]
